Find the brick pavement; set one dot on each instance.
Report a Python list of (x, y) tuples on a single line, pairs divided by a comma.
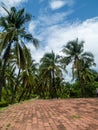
[(66, 114)]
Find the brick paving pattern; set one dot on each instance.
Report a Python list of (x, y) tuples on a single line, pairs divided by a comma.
[(56, 114)]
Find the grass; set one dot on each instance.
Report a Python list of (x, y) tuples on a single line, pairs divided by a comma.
[(75, 116), (7, 126), (2, 109)]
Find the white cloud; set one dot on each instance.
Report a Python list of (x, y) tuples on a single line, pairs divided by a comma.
[(13, 2), (45, 21), (56, 4), (53, 18), (10, 3), (32, 27)]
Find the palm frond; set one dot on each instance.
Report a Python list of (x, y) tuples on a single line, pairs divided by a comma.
[(6, 10)]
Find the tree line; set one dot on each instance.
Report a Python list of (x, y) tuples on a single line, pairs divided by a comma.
[(22, 78)]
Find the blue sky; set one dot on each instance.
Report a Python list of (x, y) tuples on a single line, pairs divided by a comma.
[(81, 9), (55, 22)]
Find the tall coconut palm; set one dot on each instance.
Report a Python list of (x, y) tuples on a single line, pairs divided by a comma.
[(13, 36), (74, 53), (50, 69)]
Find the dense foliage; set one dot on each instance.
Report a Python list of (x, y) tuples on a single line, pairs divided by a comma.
[(21, 78)]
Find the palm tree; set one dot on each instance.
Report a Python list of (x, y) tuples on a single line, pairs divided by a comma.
[(74, 51), (28, 78), (50, 69), (13, 36), (86, 73)]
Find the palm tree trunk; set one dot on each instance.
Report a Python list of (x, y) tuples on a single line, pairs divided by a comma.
[(15, 89), (81, 85), (2, 77), (23, 91), (21, 95), (83, 90), (50, 86), (29, 93), (3, 68), (53, 86)]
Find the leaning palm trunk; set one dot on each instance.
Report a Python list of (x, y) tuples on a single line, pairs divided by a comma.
[(23, 92), (15, 89), (6, 57), (2, 79)]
